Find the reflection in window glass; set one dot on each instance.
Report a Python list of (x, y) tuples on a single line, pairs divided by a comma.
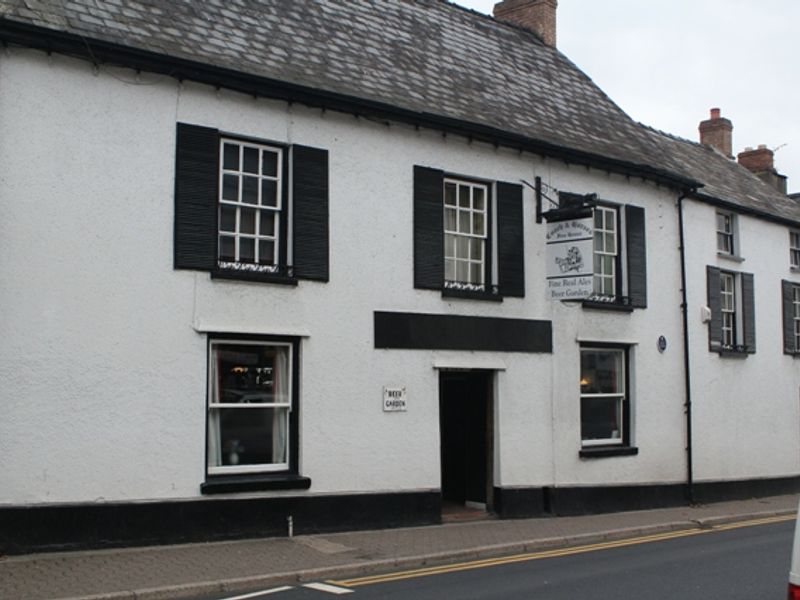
[(602, 387)]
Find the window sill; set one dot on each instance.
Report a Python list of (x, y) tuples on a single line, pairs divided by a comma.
[(731, 353), (731, 257), (241, 275), (491, 295), (607, 451), (617, 305), (223, 484)]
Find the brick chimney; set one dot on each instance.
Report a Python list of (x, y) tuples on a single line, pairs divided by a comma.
[(717, 132), (537, 15), (761, 162)]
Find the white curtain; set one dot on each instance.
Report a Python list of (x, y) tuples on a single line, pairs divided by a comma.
[(214, 441), (280, 416)]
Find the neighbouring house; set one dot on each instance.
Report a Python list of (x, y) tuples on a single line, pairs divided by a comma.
[(272, 267)]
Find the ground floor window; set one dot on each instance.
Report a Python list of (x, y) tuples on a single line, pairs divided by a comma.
[(604, 401), (251, 399)]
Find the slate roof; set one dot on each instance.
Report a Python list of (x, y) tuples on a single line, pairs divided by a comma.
[(430, 57)]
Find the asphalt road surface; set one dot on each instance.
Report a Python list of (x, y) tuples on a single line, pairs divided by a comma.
[(735, 562)]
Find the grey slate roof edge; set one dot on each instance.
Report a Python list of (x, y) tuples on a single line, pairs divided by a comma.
[(93, 49)]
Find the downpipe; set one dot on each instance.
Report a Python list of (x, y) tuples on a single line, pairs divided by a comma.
[(686, 370)]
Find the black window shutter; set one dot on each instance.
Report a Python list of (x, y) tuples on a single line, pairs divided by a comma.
[(196, 177), (510, 240), (636, 256), (749, 312), (428, 228), (715, 325), (310, 212), (787, 294)]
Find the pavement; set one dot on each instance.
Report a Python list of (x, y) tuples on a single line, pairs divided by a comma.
[(166, 572)]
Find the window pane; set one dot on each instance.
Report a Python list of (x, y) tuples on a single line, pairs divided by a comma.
[(251, 373), (266, 252), (463, 222), (598, 242), (250, 190), (254, 436), (449, 245), (230, 157), (230, 187), (462, 271), (476, 249), (269, 164), (475, 273), (610, 243), (478, 198), (267, 222), (269, 192), (601, 372), (250, 161), (608, 265), (478, 225), (227, 250), (462, 247), (598, 219), (601, 419), (450, 194), (247, 250), (450, 219), (450, 270), (247, 223), (463, 196), (227, 218)]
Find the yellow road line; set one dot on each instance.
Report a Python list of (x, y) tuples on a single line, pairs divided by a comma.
[(529, 556)]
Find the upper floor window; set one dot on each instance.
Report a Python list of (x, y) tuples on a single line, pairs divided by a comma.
[(731, 300), (725, 233), (728, 309), (468, 236), (619, 262), (251, 206), (606, 253), (791, 317), (235, 215), (794, 249), (465, 234)]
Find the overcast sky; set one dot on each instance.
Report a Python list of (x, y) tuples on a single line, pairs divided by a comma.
[(667, 62)]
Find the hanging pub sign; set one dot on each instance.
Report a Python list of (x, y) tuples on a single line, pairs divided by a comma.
[(569, 258)]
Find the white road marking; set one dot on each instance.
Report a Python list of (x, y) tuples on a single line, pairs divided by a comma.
[(331, 589), (284, 588)]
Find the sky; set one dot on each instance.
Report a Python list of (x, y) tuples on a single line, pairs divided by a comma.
[(668, 62)]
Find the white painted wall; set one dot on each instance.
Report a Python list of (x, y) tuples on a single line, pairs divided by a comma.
[(745, 409), (102, 353)]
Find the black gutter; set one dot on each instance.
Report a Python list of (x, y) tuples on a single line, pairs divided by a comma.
[(98, 51), (687, 371)]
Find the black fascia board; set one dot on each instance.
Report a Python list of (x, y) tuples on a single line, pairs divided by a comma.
[(99, 51), (744, 210)]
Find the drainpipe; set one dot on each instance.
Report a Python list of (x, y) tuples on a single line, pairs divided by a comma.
[(687, 379)]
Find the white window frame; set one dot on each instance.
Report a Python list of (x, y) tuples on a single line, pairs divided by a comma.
[(726, 233), (259, 264), (620, 395), (609, 225), (214, 404), (456, 240), (796, 316), (794, 249), (728, 308)]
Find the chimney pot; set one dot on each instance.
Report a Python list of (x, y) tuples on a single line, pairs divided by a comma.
[(717, 132), (537, 15)]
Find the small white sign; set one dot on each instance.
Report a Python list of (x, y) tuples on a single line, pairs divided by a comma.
[(569, 250), (394, 399)]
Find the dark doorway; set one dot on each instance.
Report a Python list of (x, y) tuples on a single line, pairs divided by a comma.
[(465, 421)]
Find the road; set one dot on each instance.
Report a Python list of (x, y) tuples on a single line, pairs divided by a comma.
[(737, 562)]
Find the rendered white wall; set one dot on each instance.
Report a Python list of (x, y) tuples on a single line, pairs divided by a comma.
[(745, 410), (103, 365)]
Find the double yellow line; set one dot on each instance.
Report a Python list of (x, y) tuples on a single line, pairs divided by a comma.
[(506, 560)]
